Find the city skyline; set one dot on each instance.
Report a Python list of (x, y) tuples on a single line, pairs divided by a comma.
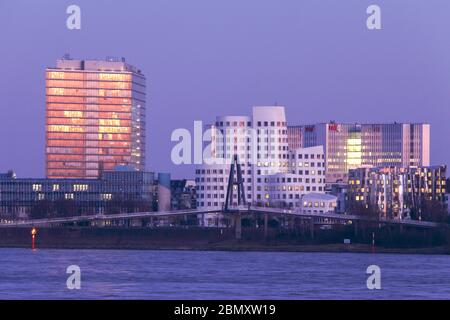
[(235, 153), (193, 71), (279, 165)]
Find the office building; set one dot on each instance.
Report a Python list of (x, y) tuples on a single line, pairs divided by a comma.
[(273, 174), (121, 190), (397, 192), (306, 174), (295, 137), (95, 117), (350, 146)]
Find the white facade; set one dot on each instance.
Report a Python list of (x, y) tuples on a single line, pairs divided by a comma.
[(273, 175), (272, 151), (211, 184), (318, 203), (230, 135), (306, 174)]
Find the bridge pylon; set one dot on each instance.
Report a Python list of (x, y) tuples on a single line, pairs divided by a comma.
[(232, 183)]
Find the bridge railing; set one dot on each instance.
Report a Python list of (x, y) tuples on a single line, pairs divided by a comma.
[(235, 209)]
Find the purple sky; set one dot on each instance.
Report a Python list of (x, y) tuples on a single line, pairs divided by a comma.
[(204, 58)]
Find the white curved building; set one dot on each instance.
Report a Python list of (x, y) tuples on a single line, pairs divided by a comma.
[(306, 174), (273, 175)]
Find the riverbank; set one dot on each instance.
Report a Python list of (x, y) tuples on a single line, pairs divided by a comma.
[(201, 239), (255, 247)]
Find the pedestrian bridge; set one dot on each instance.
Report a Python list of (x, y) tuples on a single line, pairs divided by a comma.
[(232, 211)]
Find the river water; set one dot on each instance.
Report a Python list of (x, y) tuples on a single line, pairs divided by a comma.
[(129, 274)]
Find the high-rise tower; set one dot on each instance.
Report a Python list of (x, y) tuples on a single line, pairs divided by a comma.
[(95, 117)]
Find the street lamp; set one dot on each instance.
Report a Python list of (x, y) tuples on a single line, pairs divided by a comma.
[(33, 237)]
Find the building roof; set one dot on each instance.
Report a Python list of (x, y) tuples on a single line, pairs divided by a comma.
[(319, 196), (315, 149)]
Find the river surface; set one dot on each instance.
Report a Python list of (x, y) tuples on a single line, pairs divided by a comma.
[(129, 274)]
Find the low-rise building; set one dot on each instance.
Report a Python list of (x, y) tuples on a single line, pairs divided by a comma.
[(183, 194), (340, 191), (121, 190), (398, 192), (318, 203)]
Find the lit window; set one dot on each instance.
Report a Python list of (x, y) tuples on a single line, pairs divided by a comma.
[(106, 196), (80, 187)]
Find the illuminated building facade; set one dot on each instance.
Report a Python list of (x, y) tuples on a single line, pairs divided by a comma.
[(95, 117), (397, 192), (350, 146)]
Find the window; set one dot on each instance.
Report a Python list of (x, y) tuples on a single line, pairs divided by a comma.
[(106, 196), (68, 196), (80, 187)]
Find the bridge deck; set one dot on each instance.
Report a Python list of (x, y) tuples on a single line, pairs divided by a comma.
[(232, 210)]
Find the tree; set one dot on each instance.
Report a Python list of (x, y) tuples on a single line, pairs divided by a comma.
[(434, 210), (368, 211), (41, 209), (273, 223), (65, 208), (246, 222), (127, 204)]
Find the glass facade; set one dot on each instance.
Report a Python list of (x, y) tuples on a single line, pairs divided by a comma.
[(95, 118), (294, 137), (350, 146), (112, 192)]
